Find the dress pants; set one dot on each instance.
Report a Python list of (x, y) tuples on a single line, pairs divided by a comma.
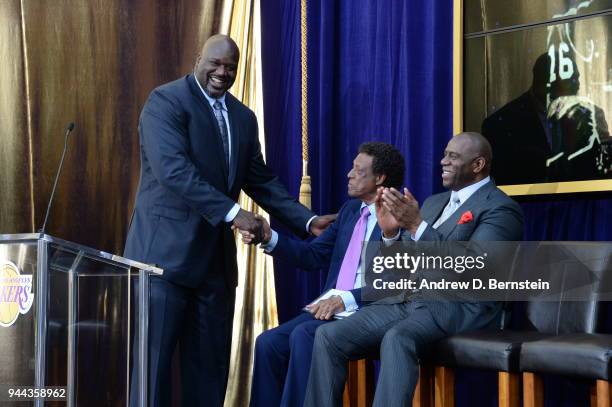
[(282, 363), (400, 332), (200, 321)]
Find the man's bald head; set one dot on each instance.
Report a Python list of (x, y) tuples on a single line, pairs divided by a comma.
[(217, 65), (221, 40), (479, 146), (467, 160)]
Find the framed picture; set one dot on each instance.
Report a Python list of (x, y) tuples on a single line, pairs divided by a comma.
[(535, 78)]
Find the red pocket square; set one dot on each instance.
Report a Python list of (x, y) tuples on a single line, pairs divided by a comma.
[(466, 217)]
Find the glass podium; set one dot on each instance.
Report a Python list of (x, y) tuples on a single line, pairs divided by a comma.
[(72, 319)]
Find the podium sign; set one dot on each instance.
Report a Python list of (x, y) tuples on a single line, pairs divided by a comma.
[(73, 324)]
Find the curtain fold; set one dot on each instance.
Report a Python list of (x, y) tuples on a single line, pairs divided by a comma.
[(16, 208), (93, 63), (255, 309)]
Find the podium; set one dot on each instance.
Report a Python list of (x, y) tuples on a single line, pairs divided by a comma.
[(72, 319)]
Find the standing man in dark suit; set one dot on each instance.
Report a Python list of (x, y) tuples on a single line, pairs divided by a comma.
[(401, 327), (199, 147), (282, 354)]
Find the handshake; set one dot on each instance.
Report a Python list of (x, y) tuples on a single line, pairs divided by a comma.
[(255, 228)]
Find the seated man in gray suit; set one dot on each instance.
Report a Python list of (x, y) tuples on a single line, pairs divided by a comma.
[(401, 327)]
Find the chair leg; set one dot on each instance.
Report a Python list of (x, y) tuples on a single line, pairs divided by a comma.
[(533, 390), (359, 388), (444, 387), (508, 389), (346, 398), (602, 393), (423, 394)]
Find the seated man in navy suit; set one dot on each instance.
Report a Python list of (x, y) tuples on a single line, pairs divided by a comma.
[(282, 354)]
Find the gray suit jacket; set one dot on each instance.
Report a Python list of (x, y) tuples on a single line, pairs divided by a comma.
[(496, 217)]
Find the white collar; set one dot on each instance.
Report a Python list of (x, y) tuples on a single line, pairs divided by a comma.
[(465, 193), (371, 208), (210, 100)]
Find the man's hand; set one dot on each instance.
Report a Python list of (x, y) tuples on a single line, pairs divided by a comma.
[(320, 223), (404, 208), (249, 237), (325, 309), (248, 222), (387, 223)]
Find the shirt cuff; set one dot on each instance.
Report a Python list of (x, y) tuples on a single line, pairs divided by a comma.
[(388, 241), (349, 300), (308, 224), (232, 213), (419, 231), (268, 247)]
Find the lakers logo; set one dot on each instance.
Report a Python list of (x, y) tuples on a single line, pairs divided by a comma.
[(15, 293)]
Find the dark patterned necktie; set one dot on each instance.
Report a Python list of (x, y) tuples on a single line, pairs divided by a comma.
[(218, 109)]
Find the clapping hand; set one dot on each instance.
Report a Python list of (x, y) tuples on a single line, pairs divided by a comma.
[(387, 223), (404, 209)]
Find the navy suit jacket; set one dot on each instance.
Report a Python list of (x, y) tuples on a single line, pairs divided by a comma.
[(185, 190), (326, 251)]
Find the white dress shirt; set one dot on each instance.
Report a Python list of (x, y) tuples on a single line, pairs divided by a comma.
[(229, 217)]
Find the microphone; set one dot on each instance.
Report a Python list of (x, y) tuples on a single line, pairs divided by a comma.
[(69, 129)]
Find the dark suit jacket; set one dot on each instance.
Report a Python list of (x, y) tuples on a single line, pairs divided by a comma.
[(326, 251), (185, 190), (496, 217)]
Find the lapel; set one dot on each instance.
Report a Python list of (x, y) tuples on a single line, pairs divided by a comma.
[(232, 116), (207, 111), (473, 204), (376, 235), (435, 208), (350, 227)]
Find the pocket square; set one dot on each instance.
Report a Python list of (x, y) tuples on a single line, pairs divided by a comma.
[(466, 217)]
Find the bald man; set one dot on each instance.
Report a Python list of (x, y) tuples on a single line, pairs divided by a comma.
[(198, 148), (402, 327)]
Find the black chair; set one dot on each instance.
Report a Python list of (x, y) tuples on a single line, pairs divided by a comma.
[(582, 355), (500, 350), (575, 353)]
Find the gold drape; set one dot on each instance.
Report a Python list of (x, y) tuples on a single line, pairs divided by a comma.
[(95, 62), (255, 300)]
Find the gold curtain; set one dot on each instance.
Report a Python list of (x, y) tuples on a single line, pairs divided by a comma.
[(94, 62), (255, 299)]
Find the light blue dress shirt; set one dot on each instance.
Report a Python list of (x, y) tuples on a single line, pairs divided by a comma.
[(347, 297)]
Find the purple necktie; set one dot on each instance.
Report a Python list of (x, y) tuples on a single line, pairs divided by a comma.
[(348, 270)]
